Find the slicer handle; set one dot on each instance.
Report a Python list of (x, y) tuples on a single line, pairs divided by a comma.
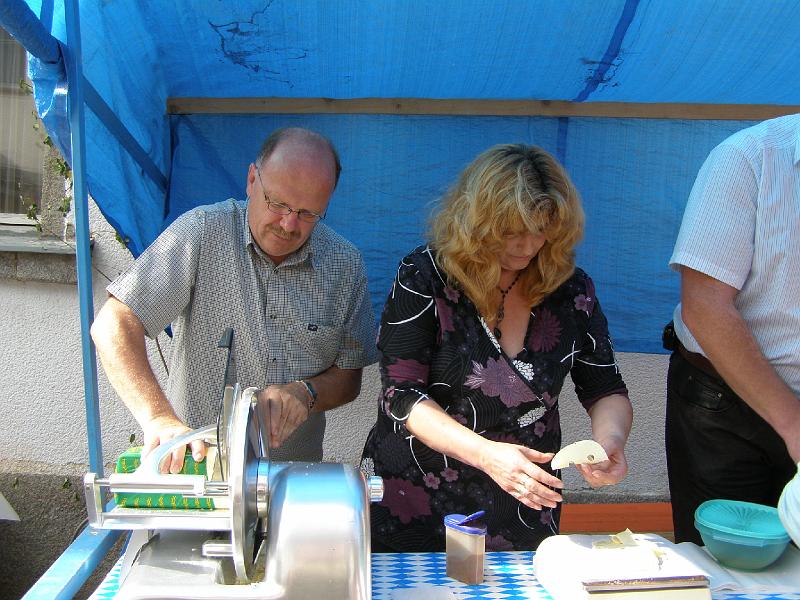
[(150, 463), (143, 483)]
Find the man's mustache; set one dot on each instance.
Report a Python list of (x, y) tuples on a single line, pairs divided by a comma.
[(282, 233)]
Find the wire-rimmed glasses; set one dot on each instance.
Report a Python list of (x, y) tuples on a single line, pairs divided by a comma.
[(279, 208)]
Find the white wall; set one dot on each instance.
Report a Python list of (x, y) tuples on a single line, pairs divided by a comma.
[(42, 367), (44, 418)]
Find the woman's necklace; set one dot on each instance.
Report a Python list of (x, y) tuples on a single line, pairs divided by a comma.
[(501, 312)]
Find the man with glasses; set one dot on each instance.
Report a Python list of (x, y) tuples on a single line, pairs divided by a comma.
[(293, 291)]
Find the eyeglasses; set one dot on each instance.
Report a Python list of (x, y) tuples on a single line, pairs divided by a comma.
[(279, 208)]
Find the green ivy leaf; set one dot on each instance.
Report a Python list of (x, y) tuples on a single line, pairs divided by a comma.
[(124, 241), (15, 483), (132, 439), (67, 484)]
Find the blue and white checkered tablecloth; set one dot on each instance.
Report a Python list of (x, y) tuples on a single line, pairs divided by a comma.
[(507, 576)]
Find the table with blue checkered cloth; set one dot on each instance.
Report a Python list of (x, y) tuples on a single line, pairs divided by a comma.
[(507, 576)]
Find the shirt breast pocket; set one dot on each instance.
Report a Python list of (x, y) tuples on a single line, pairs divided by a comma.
[(316, 347)]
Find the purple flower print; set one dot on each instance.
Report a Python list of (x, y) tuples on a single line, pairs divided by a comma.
[(451, 294), (498, 543), (590, 290), (445, 316), (449, 474), (498, 379), (539, 428), (545, 332), (386, 399), (586, 302), (405, 500), (406, 369), (431, 481), (546, 516), (550, 421)]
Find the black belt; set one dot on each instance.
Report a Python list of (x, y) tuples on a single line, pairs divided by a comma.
[(698, 361)]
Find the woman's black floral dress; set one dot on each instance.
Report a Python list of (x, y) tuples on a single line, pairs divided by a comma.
[(434, 344)]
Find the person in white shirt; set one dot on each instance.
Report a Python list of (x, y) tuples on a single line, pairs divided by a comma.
[(733, 414)]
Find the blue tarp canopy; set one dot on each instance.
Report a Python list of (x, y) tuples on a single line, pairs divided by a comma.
[(634, 174)]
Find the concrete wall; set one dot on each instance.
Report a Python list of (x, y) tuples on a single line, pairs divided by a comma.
[(43, 437)]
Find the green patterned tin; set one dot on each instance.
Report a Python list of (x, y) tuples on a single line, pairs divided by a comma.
[(130, 460)]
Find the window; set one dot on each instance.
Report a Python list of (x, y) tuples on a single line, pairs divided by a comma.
[(21, 148), (29, 249)]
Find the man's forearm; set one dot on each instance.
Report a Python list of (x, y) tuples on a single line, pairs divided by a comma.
[(709, 313), (119, 337), (733, 351), (335, 387)]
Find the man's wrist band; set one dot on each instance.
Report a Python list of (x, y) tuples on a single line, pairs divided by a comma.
[(312, 392)]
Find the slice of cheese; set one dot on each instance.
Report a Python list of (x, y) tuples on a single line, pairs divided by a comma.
[(579, 453), (622, 539)]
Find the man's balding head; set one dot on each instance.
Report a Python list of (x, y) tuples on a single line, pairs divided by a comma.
[(301, 142)]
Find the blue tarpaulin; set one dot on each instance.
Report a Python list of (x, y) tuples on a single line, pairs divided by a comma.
[(634, 174)]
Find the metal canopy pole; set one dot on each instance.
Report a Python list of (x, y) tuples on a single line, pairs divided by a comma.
[(75, 109)]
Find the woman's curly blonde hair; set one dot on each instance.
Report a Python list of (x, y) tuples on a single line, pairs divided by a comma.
[(508, 189)]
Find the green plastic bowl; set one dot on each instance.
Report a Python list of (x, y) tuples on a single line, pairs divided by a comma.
[(741, 535)]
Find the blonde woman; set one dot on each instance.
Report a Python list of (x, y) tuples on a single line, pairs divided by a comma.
[(479, 331)]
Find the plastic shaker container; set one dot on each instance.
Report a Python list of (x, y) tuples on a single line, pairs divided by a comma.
[(465, 542)]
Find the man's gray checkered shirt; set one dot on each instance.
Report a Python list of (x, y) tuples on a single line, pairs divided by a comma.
[(205, 273)]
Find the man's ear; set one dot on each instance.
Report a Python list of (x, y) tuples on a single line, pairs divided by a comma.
[(251, 179)]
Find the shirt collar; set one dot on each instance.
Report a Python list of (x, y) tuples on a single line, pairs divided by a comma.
[(304, 254)]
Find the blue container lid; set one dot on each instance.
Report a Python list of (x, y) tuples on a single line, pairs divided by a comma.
[(466, 524), (745, 519)]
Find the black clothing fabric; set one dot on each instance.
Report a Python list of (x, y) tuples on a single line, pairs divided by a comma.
[(717, 447)]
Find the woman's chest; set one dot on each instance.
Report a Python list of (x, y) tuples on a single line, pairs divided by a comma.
[(470, 357)]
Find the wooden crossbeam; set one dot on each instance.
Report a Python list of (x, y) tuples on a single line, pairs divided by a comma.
[(472, 107)]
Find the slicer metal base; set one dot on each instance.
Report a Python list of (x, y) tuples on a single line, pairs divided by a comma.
[(317, 546), (171, 567)]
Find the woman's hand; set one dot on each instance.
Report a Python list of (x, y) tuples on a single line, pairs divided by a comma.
[(609, 471), (514, 469)]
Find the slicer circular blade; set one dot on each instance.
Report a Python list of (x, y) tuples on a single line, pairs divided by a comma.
[(244, 454)]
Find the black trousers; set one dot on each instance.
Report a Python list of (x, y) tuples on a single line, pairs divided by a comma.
[(717, 447)]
